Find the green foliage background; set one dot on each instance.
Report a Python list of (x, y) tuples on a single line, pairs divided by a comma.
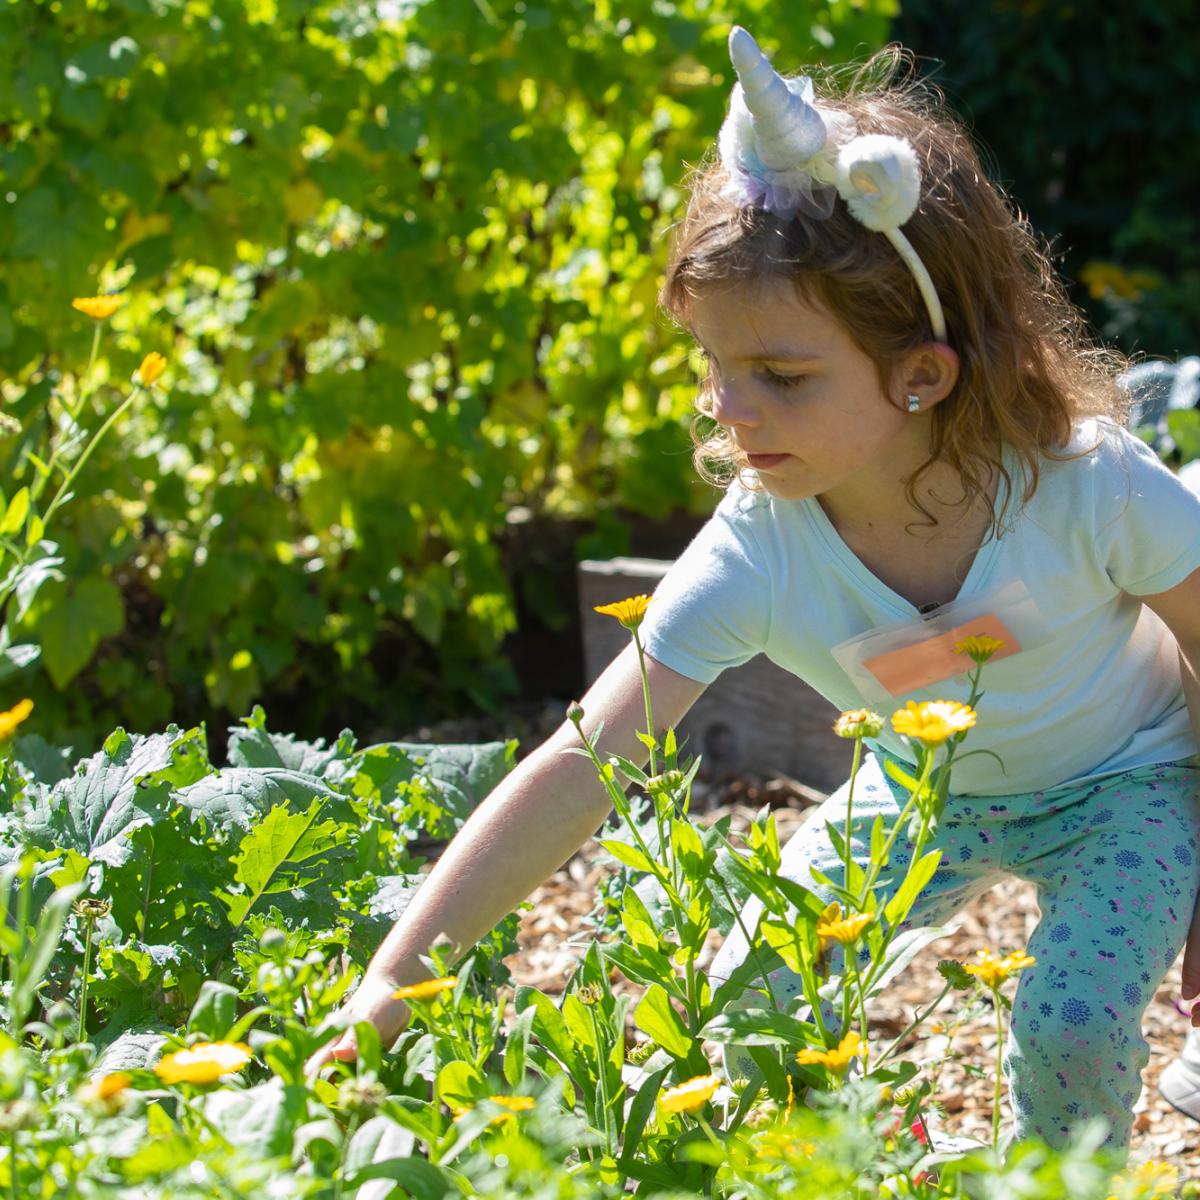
[(403, 261), (1090, 113)]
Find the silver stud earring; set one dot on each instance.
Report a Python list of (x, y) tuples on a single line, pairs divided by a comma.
[(914, 402)]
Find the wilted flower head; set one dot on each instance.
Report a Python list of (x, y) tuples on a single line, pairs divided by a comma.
[(13, 717), (992, 971), (629, 612), (203, 1063), (99, 307), (92, 908), (16, 1115), (833, 927), (361, 1095), (153, 365), (933, 721), (979, 647), (837, 1059), (690, 1095), (427, 989), (858, 723), (590, 993)]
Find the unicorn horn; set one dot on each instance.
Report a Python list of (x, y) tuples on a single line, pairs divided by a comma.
[(787, 130)]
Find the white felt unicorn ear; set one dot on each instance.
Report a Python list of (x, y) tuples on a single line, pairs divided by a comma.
[(878, 177)]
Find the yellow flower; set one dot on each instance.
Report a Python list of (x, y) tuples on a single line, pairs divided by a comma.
[(99, 307), (979, 647), (427, 989), (858, 722), (205, 1063), (688, 1096), (837, 1059), (1153, 1178), (153, 365), (105, 1088), (629, 612), (15, 715), (992, 971), (833, 927), (933, 721), (515, 1104)]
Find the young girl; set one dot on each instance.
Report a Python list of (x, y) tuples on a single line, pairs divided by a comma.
[(916, 433)]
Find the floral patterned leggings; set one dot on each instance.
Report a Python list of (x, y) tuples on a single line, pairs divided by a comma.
[(1117, 866)]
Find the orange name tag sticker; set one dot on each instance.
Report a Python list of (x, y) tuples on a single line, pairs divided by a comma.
[(930, 661)]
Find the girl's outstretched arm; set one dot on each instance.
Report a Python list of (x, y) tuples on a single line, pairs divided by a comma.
[(521, 834)]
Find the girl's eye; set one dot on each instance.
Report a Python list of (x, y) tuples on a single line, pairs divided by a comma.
[(787, 381)]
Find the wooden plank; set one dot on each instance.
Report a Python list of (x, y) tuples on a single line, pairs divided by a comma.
[(756, 718)]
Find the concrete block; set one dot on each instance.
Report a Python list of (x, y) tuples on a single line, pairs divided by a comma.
[(756, 718)]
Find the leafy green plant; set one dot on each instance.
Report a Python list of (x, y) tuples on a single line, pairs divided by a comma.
[(404, 262)]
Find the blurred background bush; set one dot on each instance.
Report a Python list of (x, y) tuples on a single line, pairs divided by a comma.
[(402, 259)]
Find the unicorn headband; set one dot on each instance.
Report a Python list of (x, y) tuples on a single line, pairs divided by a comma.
[(784, 154)]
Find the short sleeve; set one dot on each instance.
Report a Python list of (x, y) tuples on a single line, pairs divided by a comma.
[(712, 609), (1147, 518)]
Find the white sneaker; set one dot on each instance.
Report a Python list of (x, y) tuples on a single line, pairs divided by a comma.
[(1179, 1084)]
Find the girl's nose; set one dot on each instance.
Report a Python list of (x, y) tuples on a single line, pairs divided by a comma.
[(731, 406)]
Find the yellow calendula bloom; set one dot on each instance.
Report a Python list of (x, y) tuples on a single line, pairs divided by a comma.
[(992, 971), (515, 1104), (427, 989), (1149, 1179), (858, 722), (979, 647), (837, 1059), (15, 715), (833, 927), (690, 1095), (153, 365), (99, 307), (933, 721), (105, 1088), (629, 612), (204, 1063)]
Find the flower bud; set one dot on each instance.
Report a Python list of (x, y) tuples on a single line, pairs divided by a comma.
[(62, 1016), (575, 712), (272, 941), (858, 723)]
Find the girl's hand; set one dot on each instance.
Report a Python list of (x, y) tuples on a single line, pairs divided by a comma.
[(372, 1001), (1190, 984)]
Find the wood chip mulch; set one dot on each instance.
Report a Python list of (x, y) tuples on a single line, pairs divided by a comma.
[(553, 938)]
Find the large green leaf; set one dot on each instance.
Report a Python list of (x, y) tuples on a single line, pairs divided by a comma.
[(72, 622), (253, 746), (127, 784), (238, 797), (281, 840)]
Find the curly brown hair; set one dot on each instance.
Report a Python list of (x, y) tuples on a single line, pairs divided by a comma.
[(1028, 365)]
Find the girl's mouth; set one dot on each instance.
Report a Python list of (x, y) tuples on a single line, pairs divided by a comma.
[(764, 462)]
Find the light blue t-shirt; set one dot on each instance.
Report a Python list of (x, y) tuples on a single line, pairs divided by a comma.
[(1103, 694)]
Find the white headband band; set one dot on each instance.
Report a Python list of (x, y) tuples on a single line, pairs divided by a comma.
[(786, 154)]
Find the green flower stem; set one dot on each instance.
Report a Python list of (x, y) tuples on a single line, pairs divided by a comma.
[(637, 641), (35, 492), (602, 1082), (712, 1137), (83, 987), (12, 1164), (999, 1067), (916, 1022), (79, 463), (351, 1130), (877, 866), (850, 806)]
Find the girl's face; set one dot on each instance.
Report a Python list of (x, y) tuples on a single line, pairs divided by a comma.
[(802, 403)]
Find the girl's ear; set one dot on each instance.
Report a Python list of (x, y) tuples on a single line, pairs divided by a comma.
[(929, 373)]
